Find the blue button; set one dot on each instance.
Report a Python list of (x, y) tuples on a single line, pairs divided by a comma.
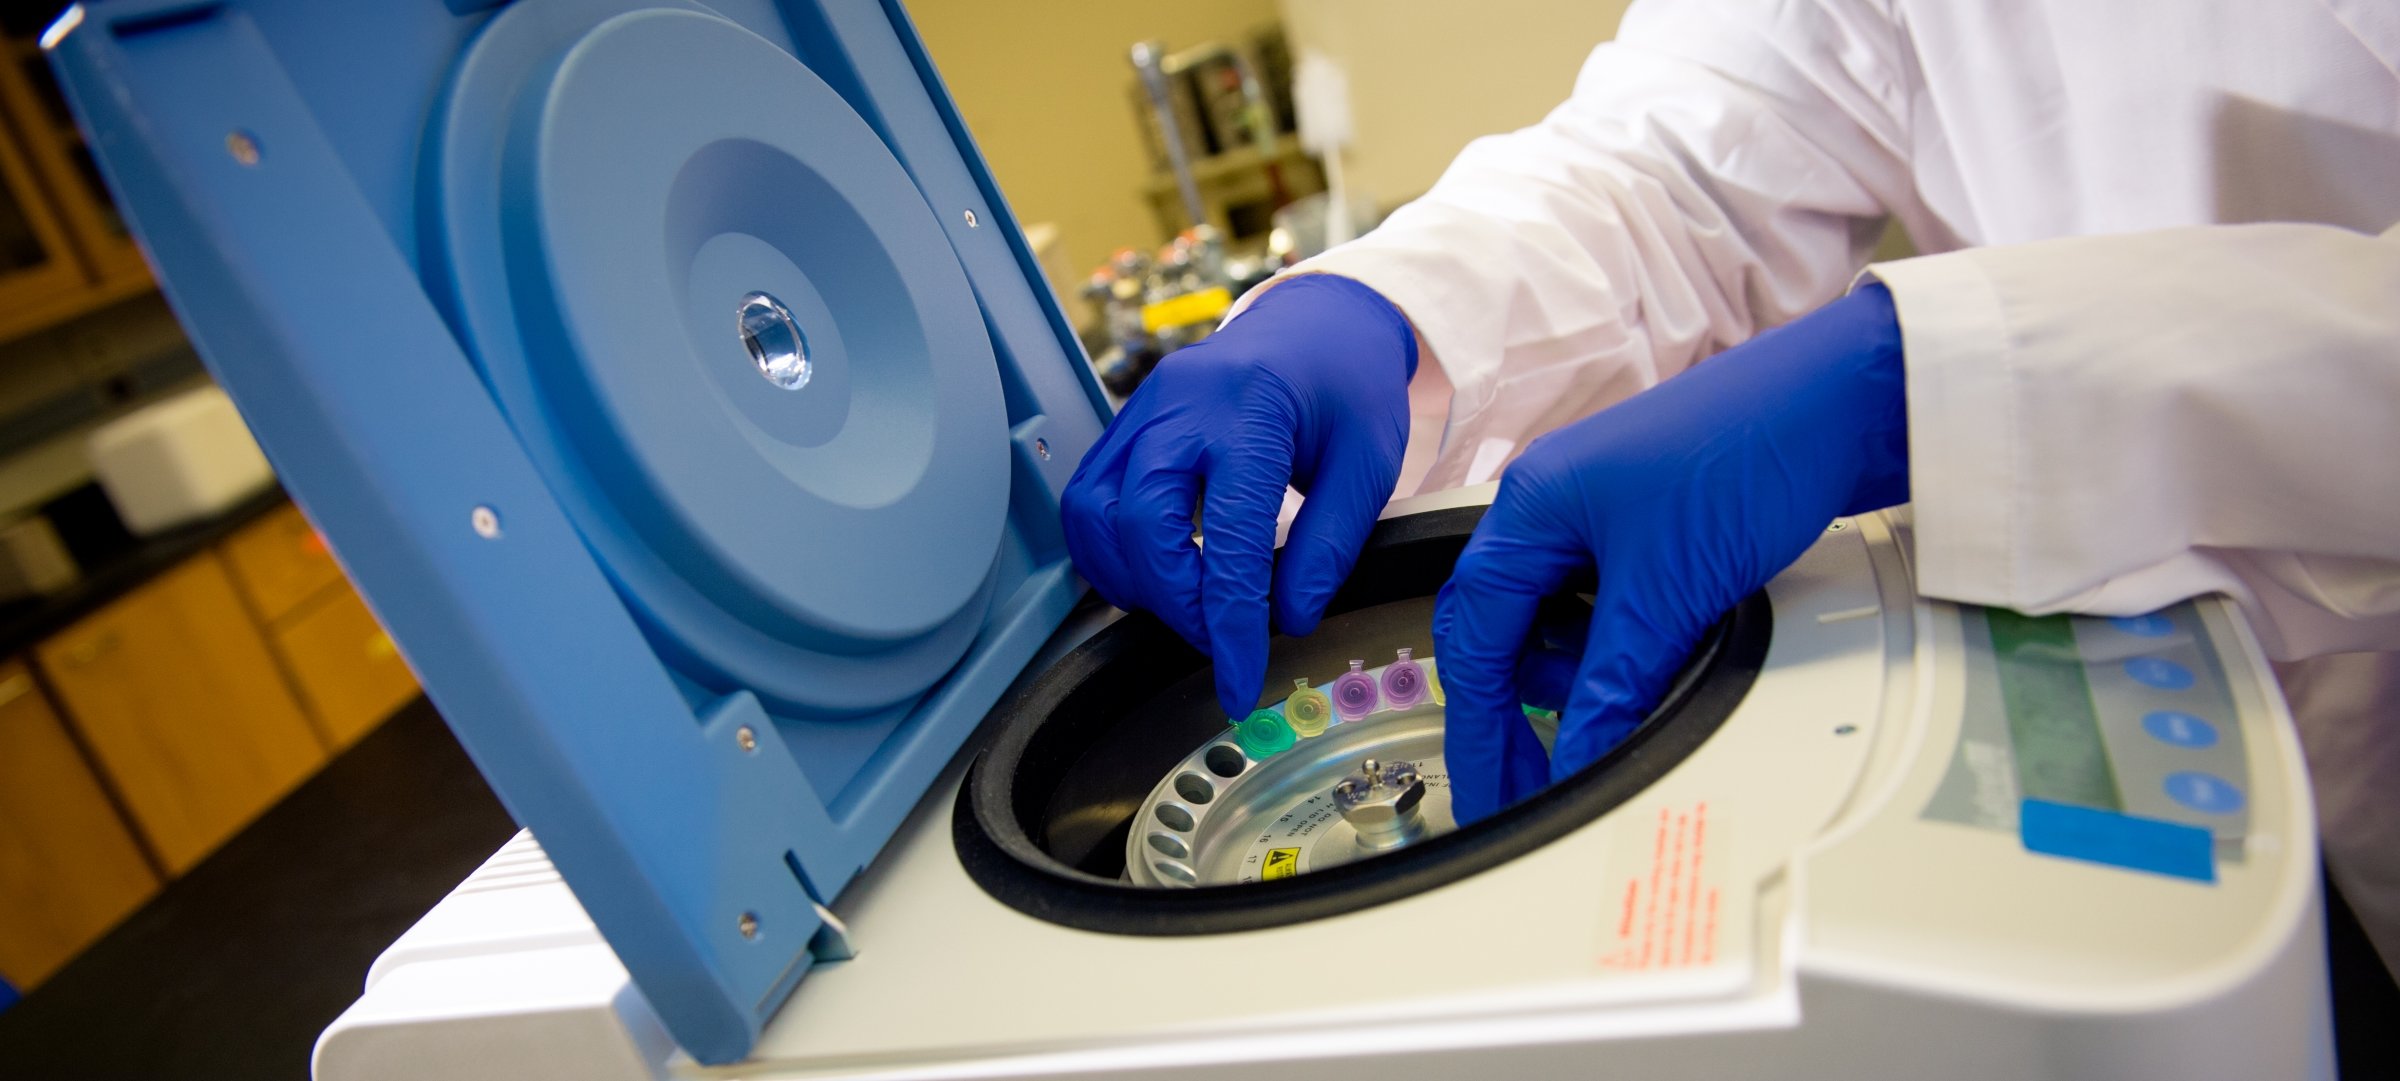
[(2161, 673), (2203, 792), (2153, 625), (2180, 729)]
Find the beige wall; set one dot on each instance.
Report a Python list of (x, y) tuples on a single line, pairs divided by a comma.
[(1427, 76), (1044, 86)]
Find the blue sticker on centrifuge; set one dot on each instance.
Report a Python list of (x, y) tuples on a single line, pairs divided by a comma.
[(2118, 840)]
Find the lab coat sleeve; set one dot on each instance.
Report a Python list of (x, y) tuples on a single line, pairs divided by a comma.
[(1721, 167), (2111, 424)]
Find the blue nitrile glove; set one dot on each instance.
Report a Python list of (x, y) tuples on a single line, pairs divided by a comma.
[(1307, 388), (1674, 505)]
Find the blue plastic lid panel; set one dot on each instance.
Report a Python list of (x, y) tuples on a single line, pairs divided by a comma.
[(473, 275)]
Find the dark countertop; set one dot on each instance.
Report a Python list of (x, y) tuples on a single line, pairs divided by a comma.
[(114, 562), (232, 970)]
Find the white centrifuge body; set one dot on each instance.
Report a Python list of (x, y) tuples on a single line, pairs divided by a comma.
[(1832, 885)]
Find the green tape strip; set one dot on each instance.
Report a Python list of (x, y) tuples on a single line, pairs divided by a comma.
[(2051, 721)]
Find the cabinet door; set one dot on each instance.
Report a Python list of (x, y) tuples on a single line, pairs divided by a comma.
[(38, 272), (280, 562), (175, 693), (70, 177), (69, 868), (349, 672)]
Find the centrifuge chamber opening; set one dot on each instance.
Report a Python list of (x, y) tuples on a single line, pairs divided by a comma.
[(1120, 749)]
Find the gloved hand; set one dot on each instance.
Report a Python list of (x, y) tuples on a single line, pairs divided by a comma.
[(1307, 388), (1676, 503)]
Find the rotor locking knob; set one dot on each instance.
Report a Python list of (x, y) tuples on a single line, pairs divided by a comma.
[(1381, 801)]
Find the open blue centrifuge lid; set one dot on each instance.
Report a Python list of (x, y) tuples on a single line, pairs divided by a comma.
[(674, 382)]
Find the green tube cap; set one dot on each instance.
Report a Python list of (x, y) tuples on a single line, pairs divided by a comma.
[(1263, 734)]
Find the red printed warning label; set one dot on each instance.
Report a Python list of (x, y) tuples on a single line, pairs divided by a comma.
[(1664, 905)]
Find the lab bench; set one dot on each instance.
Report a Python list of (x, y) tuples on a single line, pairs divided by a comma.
[(152, 710)]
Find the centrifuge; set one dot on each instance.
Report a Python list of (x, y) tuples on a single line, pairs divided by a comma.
[(686, 401)]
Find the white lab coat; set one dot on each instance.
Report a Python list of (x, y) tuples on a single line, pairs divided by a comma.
[(2117, 398)]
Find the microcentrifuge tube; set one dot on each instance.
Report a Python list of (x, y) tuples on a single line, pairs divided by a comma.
[(1354, 692), (1433, 681), (1263, 735), (1307, 710), (1403, 681)]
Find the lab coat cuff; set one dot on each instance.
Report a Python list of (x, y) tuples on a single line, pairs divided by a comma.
[(1428, 307), (1420, 302), (1963, 426)]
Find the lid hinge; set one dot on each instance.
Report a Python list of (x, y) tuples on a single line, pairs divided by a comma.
[(832, 940)]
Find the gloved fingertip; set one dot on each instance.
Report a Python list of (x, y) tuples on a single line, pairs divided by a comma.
[(1236, 703), (1583, 742), (1298, 624), (1527, 769), (1241, 678), (1477, 794), (1545, 678), (1297, 612), (1471, 803)]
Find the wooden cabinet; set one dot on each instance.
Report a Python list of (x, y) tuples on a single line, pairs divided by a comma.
[(208, 693), (69, 868), (64, 250), (37, 266), (69, 173), (349, 671), (200, 697), (280, 563), (177, 696)]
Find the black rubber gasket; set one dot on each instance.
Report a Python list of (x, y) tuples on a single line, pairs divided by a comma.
[(1043, 727)]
